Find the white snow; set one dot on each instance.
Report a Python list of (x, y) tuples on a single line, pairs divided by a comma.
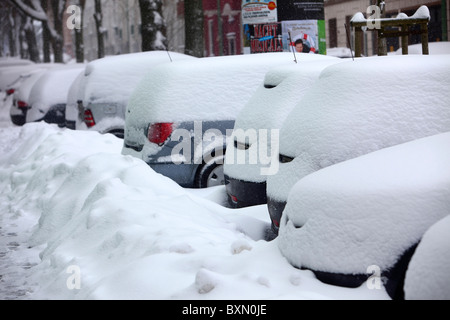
[(361, 106), (368, 210), (74, 211), (212, 88), (268, 108), (114, 78), (442, 47), (70, 201), (427, 276), (51, 89)]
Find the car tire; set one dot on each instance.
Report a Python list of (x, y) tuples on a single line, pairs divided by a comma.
[(211, 174)]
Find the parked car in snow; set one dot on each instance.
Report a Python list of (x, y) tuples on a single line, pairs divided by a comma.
[(361, 220), (11, 77), (264, 115), (107, 86), (441, 47), (73, 112), (357, 107), (48, 97), (14, 62), (21, 95), (179, 116), (427, 275)]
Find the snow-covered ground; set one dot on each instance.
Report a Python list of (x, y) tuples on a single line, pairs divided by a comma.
[(78, 220)]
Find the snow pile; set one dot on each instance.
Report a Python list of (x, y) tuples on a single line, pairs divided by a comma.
[(269, 106), (359, 107), (129, 233), (422, 13), (369, 210), (427, 276)]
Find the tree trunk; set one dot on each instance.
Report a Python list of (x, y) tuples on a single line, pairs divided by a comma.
[(98, 17), (30, 38), (46, 41), (153, 25), (58, 37), (79, 42), (193, 13), (46, 36)]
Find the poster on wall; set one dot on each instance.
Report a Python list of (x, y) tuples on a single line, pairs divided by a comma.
[(259, 11), (303, 35), (264, 37), (267, 25)]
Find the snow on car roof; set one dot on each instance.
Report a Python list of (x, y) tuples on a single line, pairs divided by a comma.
[(114, 78), (12, 61), (442, 47), (360, 106), (53, 86), (378, 205), (271, 103), (210, 88)]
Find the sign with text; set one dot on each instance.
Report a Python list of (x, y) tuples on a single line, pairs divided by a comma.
[(265, 37), (259, 11)]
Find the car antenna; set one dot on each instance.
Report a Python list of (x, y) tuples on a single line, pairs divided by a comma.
[(290, 45), (168, 53), (348, 39)]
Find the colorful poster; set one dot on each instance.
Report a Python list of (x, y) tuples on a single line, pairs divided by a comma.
[(304, 36), (265, 37), (259, 11)]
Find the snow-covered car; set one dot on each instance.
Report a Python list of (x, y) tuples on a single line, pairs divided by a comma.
[(14, 62), (11, 77), (108, 84), (441, 47), (48, 96), (340, 52), (181, 113), (245, 170), (361, 220), (427, 275), (73, 113), (357, 107), (21, 96)]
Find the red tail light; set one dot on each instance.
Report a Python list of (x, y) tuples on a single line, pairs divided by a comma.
[(159, 132), (89, 118), (10, 92), (22, 104)]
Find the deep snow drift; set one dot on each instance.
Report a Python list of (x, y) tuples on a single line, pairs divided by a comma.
[(74, 211)]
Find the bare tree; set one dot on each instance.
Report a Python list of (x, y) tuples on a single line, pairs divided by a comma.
[(79, 42), (98, 17), (153, 25), (193, 13), (35, 10), (30, 38)]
